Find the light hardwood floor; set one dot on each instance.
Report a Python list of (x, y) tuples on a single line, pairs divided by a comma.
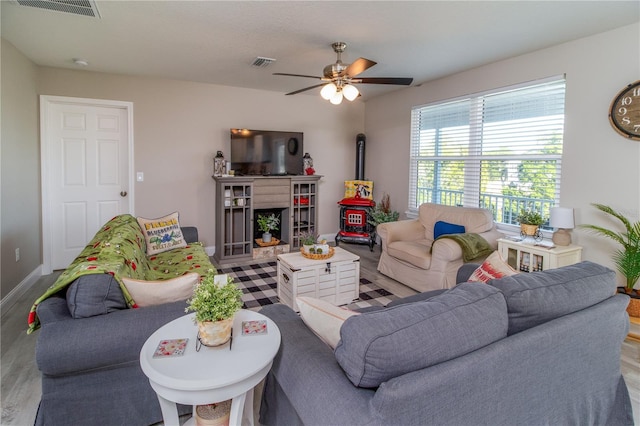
[(20, 387)]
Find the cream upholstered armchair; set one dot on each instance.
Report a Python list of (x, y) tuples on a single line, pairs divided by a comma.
[(407, 252)]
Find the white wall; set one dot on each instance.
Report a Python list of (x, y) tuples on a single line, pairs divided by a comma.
[(179, 126), (20, 193), (599, 165)]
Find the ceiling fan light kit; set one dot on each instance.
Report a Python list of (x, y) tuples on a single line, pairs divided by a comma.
[(339, 78), (350, 92), (328, 91)]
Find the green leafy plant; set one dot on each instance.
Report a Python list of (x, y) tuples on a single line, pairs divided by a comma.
[(382, 212), (627, 259), (307, 238), (530, 217), (268, 223), (212, 302)]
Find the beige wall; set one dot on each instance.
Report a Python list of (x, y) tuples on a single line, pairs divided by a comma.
[(179, 126), (599, 165), (20, 168)]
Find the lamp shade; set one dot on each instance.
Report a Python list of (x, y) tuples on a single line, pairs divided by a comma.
[(350, 92), (336, 99), (561, 217), (328, 91)]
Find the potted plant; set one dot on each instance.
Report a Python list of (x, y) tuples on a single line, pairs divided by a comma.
[(627, 258), (382, 212), (215, 301), (530, 221), (266, 224), (307, 240)]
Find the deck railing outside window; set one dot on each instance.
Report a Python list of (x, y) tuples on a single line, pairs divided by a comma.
[(505, 209)]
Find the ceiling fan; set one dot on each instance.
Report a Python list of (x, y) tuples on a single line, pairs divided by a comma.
[(338, 79)]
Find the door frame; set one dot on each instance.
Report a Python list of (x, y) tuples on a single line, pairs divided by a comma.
[(46, 102)]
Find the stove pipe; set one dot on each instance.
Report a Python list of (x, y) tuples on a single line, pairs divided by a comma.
[(360, 143)]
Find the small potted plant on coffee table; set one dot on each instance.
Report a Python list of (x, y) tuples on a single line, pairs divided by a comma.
[(307, 240), (215, 302), (266, 224)]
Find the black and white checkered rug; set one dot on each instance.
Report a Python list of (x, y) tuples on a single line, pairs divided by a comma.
[(259, 285)]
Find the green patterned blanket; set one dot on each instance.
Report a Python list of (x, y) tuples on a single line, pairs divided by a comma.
[(119, 249)]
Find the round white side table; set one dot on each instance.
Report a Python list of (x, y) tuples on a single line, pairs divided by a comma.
[(210, 374)]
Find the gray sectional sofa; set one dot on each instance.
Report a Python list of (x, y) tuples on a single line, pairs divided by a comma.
[(529, 349), (88, 352)]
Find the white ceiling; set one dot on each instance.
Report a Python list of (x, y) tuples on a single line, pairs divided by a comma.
[(216, 41)]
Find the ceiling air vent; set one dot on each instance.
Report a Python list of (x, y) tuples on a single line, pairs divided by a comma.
[(262, 62), (76, 7)]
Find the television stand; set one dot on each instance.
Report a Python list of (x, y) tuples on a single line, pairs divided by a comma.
[(240, 198)]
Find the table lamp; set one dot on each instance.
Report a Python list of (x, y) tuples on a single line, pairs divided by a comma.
[(562, 219)]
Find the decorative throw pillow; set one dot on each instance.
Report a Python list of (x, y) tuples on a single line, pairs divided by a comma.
[(162, 234), (442, 228), (492, 268), (323, 318), (358, 189), (147, 293)]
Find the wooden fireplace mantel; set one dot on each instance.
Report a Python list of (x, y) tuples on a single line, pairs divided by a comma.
[(238, 197)]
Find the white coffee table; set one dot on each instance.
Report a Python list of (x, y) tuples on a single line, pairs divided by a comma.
[(336, 279), (212, 374)]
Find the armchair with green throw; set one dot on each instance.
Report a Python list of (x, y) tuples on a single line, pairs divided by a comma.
[(425, 253)]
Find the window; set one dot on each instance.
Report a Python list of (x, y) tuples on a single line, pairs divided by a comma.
[(500, 150)]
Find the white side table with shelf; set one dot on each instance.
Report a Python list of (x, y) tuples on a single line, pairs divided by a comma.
[(525, 256)]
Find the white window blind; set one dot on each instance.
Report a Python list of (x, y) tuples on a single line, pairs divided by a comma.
[(500, 150)]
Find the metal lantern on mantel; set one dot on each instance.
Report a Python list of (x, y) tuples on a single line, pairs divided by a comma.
[(219, 164), (307, 164)]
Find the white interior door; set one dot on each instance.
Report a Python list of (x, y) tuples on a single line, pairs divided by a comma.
[(87, 157)]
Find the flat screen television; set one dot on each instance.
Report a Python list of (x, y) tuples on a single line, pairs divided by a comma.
[(266, 152)]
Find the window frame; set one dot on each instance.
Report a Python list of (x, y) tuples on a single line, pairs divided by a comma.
[(472, 187)]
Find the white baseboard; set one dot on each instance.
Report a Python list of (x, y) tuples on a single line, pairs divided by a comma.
[(10, 299)]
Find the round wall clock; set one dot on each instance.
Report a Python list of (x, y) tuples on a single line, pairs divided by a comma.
[(292, 146), (624, 113)]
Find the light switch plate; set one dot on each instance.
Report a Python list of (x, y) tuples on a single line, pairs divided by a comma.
[(140, 177)]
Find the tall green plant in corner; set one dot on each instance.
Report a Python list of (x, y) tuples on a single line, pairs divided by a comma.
[(627, 258)]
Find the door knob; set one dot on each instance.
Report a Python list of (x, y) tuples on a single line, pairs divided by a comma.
[(123, 193)]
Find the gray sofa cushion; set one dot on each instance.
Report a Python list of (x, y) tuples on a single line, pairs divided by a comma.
[(535, 298), (96, 294), (377, 346)]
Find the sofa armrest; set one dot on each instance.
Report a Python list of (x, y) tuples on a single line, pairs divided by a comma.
[(465, 272), (303, 363), (447, 250), (492, 237), (402, 230)]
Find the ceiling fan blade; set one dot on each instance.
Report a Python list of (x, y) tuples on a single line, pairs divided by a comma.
[(385, 80), (305, 89), (297, 75), (358, 66)]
